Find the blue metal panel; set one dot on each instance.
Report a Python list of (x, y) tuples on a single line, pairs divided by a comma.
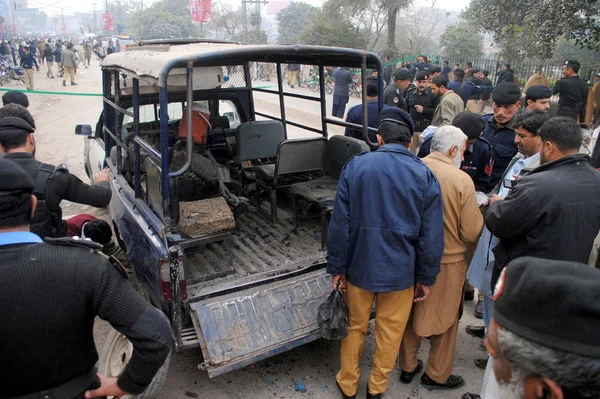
[(241, 328)]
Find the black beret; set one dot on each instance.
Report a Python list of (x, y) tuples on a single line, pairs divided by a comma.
[(470, 123), (13, 178), (17, 97), (397, 115), (506, 93), (553, 303), (475, 70), (12, 126), (534, 93), (422, 75), (402, 74)]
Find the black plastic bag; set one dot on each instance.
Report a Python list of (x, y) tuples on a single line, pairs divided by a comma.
[(333, 316)]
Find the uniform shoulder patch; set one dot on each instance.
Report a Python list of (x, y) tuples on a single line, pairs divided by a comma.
[(72, 242), (120, 268)]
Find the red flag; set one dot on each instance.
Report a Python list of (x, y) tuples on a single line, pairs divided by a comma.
[(200, 10), (107, 21)]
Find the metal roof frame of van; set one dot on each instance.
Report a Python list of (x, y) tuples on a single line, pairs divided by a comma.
[(179, 41), (155, 64)]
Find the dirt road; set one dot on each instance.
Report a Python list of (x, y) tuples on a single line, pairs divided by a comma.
[(314, 364)]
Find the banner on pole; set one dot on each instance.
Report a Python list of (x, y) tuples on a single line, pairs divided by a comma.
[(107, 21), (200, 10)]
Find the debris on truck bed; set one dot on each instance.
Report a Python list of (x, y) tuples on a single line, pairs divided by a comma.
[(205, 217), (200, 182)]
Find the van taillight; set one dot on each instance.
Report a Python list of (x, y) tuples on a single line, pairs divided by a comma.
[(165, 280)]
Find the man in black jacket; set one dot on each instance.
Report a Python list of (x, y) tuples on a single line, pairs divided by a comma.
[(51, 294), (572, 91), (53, 184), (554, 211)]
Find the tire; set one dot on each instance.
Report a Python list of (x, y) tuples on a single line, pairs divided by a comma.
[(328, 89), (313, 86), (115, 354)]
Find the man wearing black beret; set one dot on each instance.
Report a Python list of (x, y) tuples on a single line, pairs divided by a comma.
[(544, 333), (394, 94), (538, 97), (572, 91), (405, 246), (16, 97), (554, 211), (421, 104), (52, 293), (499, 128), (53, 184)]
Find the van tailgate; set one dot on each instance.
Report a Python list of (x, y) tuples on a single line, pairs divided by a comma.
[(239, 329)]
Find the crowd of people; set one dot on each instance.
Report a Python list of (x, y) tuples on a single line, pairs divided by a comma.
[(454, 199)]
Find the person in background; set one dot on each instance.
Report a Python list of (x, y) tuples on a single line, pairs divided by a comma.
[(572, 91), (27, 63), (49, 57), (537, 79), (69, 63), (485, 81), (438, 317), (538, 97), (293, 69), (449, 104), (387, 70), (40, 50), (402, 258), (355, 113), (505, 75), (342, 80), (499, 128), (394, 94), (87, 50), (445, 70), (421, 104), (58, 52), (48, 348), (596, 100)]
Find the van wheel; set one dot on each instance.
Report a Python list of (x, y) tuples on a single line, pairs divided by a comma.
[(115, 355)]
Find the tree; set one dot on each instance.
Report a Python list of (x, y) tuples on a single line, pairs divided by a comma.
[(164, 19), (324, 31), (462, 40), (420, 28), (292, 19), (226, 22), (357, 8), (547, 20)]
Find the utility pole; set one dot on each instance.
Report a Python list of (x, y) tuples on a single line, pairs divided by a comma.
[(257, 4)]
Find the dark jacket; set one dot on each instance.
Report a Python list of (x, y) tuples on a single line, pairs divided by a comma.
[(57, 55), (503, 144), (573, 96), (467, 90), (61, 186), (505, 75), (429, 102), (355, 115), (342, 78), (394, 97), (387, 225), (48, 54), (477, 163), (50, 299), (552, 213), (27, 61)]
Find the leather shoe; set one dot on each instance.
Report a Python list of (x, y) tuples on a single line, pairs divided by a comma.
[(469, 295), (453, 382), (469, 395), (481, 362), (407, 377), (372, 395), (344, 396), (479, 310), (476, 331)]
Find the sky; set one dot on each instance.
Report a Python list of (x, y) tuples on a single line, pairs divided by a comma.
[(55, 7)]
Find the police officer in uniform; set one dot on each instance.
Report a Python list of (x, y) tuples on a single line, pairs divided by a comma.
[(355, 113), (52, 184), (51, 294), (477, 161), (394, 94), (421, 104), (573, 92)]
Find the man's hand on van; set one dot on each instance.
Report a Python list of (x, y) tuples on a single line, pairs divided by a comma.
[(101, 176)]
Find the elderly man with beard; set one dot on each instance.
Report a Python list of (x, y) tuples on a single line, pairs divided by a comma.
[(437, 318), (544, 332)]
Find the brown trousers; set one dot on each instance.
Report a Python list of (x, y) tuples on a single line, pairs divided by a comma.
[(70, 72), (441, 355), (392, 312), (28, 77)]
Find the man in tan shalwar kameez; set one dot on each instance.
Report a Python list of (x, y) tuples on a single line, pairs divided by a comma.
[(437, 318)]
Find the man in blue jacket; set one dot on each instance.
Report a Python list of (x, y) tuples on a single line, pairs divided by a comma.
[(343, 79), (385, 244), (355, 113)]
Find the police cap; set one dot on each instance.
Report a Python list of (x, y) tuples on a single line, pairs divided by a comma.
[(12, 127), (470, 123), (13, 178), (399, 116), (402, 74), (537, 92), (422, 75), (553, 303), (506, 93)]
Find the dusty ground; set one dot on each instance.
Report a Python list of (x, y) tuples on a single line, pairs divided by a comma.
[(314, 364)]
